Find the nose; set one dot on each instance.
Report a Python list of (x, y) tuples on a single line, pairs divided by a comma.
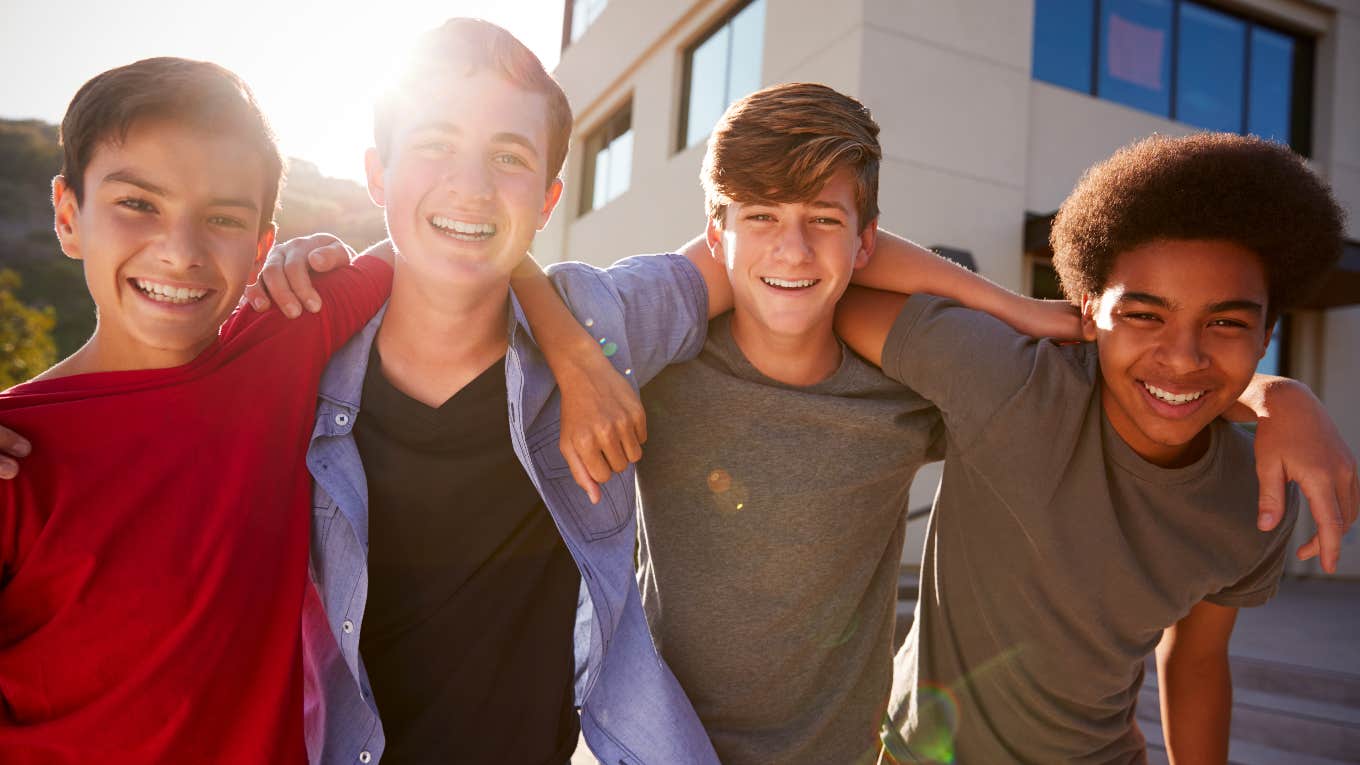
[(468, 177), (792, 245), (184, 245), (1181, 348)]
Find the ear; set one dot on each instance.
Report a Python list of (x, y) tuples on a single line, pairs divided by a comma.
[(868, 240), (713, 234), (66, 217), (550, 200), (267, 238), (373, 169), (1089, 304)]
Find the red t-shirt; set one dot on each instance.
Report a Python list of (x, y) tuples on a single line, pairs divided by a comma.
[(153, 549)]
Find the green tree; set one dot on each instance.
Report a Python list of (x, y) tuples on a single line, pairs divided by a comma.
[(26, 345)]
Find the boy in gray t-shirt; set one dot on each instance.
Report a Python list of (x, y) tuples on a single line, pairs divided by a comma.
[(1094, 507)]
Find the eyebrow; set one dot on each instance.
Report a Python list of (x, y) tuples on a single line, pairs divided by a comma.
[(1239, 304), (825, 204), (443, 126), (132, 179)]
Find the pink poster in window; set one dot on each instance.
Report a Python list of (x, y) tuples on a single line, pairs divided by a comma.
[(1136, 53)]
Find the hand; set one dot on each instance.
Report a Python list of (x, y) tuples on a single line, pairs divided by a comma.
[(13, 447), (603, 424), (286, 277), (1299, 442)]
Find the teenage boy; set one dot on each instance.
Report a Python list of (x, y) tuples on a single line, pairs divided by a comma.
[(1094, 505), (471, 594), (782, 658), (153, 550)]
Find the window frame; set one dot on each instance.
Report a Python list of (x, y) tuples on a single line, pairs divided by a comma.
[(1300, 117), (605, 132), (687, 67)]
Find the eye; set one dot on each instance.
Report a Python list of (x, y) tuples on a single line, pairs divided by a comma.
[(1230, 323), (134, 203), (435, 147), (825, 221), (760, 217), (227, 221), (508, 158), (1140, 317)]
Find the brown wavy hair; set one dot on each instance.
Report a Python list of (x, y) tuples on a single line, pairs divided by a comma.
[(783, 143)]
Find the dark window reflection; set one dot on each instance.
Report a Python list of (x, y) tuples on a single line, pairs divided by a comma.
[(722, 68), (1272, 73)]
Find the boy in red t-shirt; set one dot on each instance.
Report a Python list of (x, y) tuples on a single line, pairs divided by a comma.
[(153, 551)]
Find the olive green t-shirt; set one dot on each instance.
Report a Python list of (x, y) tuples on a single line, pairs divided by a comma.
[(770, 542), (1055, 555)]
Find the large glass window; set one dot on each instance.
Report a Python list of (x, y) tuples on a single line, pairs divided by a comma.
[(1135, 54), (608, 160), (721, 68), (1189, 61), (1211, 56), (1063, 43)]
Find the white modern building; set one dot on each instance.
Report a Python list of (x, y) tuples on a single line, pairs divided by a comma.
[(990, 110)]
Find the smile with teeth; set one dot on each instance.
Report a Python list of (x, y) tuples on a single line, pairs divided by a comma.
[(164, 293), (463, 230), (1174, 399), (789, 284)]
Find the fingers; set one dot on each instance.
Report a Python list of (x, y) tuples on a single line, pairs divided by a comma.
[(298, 271), (13, 447), (256, 296), (1322, 503), (1308, 550), (1271, 501), (581, 475)]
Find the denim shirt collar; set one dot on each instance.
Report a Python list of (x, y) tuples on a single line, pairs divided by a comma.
[(343, 381)]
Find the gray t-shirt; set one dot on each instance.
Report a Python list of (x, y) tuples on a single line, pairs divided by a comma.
[(1055, 555), (771, 535)]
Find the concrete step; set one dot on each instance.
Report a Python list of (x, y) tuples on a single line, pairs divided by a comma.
[(1298, 720)]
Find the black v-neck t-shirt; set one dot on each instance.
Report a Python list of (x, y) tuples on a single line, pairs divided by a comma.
[(467, 634)]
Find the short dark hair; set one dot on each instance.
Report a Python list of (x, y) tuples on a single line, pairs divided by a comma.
[(466, 46), (1242, 189), (783, 143), (198, 94)]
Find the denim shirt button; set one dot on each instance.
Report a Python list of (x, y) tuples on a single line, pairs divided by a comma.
[(364, 756), (342, 419), (348, 626)]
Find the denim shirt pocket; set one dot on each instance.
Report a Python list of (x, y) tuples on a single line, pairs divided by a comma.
[(593, 522)]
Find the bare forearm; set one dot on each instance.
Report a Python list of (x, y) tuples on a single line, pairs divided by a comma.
[(713, 272), (564, 342), (1196, 698), (899, 265)]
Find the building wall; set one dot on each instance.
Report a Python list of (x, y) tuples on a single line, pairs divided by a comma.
[(971, 142)]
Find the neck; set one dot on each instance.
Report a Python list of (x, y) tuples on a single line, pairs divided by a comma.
[(105, 353), (435, 341), (1170, 456), (800, 359)]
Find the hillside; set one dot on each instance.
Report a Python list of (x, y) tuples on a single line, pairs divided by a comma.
[(30, 156)]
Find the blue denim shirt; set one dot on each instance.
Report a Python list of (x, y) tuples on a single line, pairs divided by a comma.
[(649, 311)]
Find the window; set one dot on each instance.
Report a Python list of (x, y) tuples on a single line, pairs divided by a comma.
[(1184, 60), (581, 14), (608, 160), (721, 68)]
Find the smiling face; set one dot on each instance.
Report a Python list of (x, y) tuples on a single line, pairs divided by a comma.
[(169, 233), (1179, 327), (790, 262), (466, 184)]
